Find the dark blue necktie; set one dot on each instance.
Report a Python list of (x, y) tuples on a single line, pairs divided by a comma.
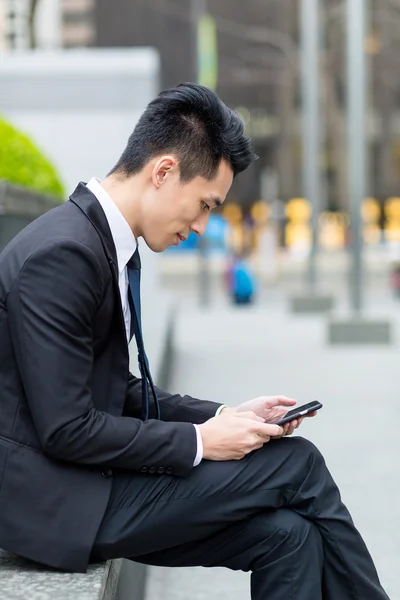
[(136, 328)]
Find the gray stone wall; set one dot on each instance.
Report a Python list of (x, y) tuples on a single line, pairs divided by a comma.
[(19, 207)]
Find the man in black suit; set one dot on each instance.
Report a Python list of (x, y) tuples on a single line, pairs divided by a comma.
[(97, 464)]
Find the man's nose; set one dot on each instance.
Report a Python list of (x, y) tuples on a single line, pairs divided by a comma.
[(199, 228), (200, 225)]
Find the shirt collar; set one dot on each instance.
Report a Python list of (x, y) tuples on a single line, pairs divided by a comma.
[(124, 240)]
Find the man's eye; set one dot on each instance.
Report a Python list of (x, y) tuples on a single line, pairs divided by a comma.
[(205, 206)]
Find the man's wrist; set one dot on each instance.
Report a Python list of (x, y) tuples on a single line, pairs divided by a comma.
[(199, 451), (225, 410)]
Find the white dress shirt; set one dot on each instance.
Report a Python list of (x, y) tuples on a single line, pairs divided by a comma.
[(125, 246), (124, 241)]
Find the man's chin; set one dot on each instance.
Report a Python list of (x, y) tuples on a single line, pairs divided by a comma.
[(157, 246)]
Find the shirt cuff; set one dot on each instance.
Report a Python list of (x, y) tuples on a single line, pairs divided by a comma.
[(219, 409), (199, 453)]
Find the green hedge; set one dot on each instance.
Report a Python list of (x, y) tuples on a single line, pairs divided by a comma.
[(22, 163)]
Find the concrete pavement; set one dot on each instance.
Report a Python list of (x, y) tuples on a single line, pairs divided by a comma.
[(230, 355)]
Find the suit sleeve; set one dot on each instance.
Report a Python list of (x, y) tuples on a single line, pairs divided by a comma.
[(174, 407), (51, 306)]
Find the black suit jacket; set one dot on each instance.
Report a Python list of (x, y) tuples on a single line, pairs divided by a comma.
[(69, 408)]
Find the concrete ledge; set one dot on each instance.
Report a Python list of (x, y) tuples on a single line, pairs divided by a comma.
[(311, 303), (359, 331), (21, 579)]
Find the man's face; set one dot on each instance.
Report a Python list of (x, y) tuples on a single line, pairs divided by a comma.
[(174, 209)]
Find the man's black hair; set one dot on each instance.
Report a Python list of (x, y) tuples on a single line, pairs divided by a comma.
[(192, 123)]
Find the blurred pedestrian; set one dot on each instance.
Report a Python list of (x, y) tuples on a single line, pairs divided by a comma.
[(241, 279)]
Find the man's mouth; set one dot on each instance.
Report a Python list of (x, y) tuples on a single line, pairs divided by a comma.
[(182, 237)]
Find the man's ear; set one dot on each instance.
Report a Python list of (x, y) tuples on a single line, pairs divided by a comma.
[(162, 168)]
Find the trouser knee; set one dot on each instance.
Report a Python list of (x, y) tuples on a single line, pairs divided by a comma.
[(295, 529), (306, 450), (292, 534)]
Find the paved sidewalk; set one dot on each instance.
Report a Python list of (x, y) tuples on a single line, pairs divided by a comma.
[(230, 355)]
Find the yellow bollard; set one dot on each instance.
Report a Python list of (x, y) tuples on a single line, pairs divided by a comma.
[(371, 212), (392, 219), (298, 229)]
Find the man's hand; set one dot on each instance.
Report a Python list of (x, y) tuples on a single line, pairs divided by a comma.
[(270, 409), (231, 436)]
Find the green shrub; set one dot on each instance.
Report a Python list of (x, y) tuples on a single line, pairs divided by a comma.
[(22, 163)]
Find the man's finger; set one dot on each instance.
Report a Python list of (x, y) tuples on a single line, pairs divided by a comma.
[(284, 401), (312, 414), (289, 429), (268, 429)]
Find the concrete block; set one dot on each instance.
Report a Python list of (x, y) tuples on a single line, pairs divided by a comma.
[(359, 331), (21, 579), (132, 581), (311, 303)]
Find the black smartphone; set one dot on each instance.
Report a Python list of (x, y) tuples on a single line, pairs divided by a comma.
[(300, 411)]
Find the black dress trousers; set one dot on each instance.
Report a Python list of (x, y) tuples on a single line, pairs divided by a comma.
[(276, 513)]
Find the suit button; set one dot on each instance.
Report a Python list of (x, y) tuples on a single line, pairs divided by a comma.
[(152, 470), (107, 473), (161, 470), (144, 469), (169, 471)]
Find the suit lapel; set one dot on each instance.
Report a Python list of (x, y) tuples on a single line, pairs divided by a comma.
[(117, 343), (91, 208)]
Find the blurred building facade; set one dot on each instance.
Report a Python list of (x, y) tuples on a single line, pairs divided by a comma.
[(258, 56), (46, 24), (77, 22), (14, 19)]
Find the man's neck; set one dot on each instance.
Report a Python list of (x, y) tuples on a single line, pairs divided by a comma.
[(126, 195)]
